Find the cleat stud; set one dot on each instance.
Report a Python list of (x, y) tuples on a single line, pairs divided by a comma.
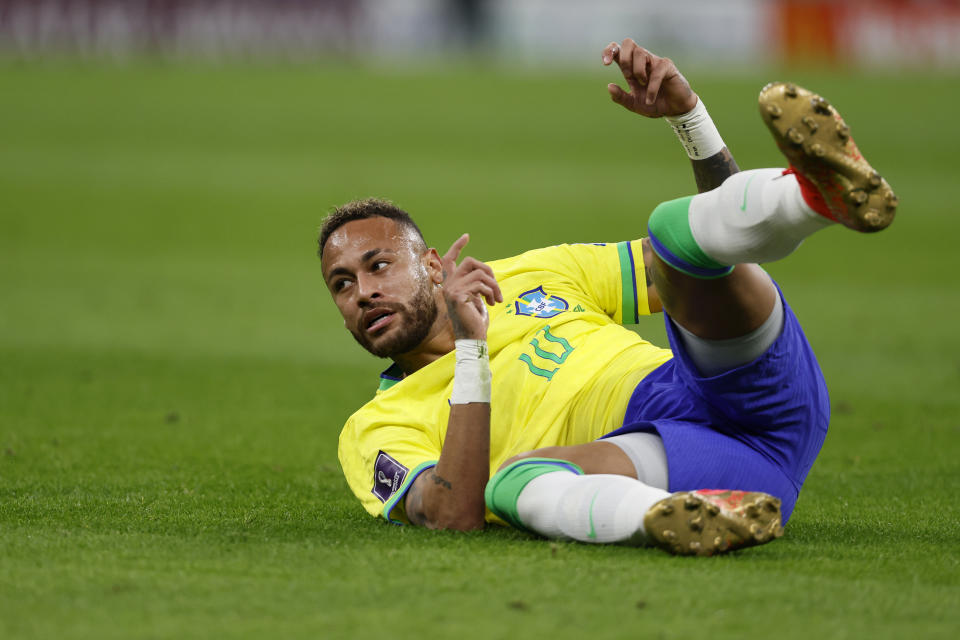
[(753, 511), (811, 124), (843, 131), (696, 524), (669, 535), (772, 506), (892, 200), (872, 218), (691, 503), (774, 110), (717, 541), (794, 136), (875, 180), (695, 546), (818, 150), (712, 509), (858, 197), (666, 509), (790, 91), (820, 105)]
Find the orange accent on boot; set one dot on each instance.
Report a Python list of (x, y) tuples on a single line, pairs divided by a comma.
[(811, 195)]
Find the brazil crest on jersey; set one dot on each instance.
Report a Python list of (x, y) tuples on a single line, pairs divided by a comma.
[(563, 371)]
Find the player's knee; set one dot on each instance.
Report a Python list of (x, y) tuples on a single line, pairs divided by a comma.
[(546, 452), (598, 456)]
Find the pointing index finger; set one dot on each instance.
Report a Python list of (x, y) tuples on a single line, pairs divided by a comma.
[(454, 251), (610, 53)]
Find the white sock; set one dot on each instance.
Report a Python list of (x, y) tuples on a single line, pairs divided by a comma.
[(754, 216), (596, 508)]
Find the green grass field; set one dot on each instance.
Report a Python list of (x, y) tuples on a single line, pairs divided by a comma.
[(173, 377)]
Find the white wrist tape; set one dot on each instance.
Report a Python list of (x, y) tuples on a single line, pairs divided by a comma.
[(697, 133), (471, 377)]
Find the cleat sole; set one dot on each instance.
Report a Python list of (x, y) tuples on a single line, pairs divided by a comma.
[(690, 524), (855, 194)]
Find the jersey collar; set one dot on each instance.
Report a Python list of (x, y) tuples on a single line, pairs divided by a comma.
[(391, 376)]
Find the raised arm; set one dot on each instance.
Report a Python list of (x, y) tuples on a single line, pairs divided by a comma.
[(450, 496), (657, 89)]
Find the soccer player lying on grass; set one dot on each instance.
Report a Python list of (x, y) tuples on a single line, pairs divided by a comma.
[(521, 367)]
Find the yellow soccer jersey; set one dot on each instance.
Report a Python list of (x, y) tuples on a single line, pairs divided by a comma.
[(563, 371)]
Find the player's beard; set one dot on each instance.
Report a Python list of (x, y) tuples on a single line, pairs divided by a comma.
[(415, 321)]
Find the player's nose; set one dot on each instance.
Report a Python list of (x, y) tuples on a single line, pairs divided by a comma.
[(368, 289)]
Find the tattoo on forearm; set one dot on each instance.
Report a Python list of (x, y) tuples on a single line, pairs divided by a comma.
[(437, 479), (711, 172)]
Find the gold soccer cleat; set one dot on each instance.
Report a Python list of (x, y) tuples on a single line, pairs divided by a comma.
[(709, 521), (840, 183)]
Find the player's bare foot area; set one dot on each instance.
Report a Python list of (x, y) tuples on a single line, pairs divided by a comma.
[(708, 522), (817, 142)]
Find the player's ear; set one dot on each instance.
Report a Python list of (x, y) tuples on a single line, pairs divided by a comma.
[(433, 265)]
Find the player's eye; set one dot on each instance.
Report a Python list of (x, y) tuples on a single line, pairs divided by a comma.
[(379, 264), (340, 285)]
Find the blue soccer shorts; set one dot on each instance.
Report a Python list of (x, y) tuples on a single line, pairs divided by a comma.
[(757, 427)]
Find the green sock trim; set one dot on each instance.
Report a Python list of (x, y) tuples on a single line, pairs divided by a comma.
[(672, 240), (503, 489)]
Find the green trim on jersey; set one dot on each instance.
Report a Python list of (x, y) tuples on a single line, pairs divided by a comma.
[(398, 495), (391, 376), (386, 383), (628, 284), (504, 488)]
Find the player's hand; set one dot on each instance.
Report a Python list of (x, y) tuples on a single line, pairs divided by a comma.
[(465, 288), (657, 88)]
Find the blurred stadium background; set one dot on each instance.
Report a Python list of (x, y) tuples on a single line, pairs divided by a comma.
[(862, 33), (173, 378)]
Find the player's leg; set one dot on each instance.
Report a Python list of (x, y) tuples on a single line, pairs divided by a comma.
[(603, 501), (725, 316), (704, 245), (588, 492)]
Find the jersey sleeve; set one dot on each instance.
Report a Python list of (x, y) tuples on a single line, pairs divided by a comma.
[(381, 459), (612, 275)]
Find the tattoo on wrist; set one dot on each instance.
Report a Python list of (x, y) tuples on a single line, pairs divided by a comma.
[(437, 479), (459, 331), (711, 172)]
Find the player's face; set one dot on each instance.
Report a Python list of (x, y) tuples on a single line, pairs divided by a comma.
[(380, 283)]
